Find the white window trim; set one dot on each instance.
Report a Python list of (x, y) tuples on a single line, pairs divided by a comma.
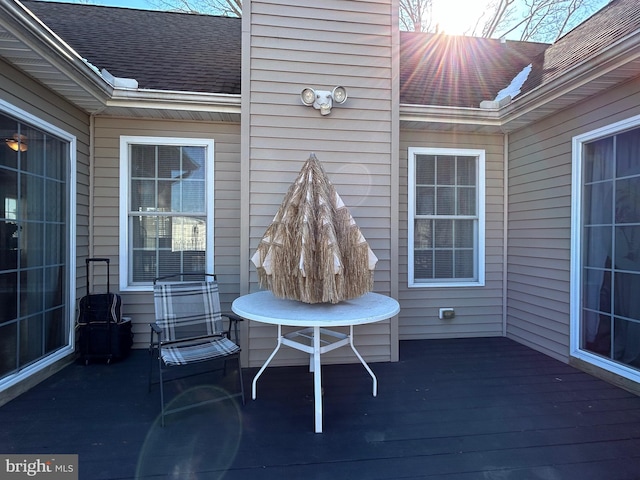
[(480, 252), (576, 249), (125, 141), (70, 299)]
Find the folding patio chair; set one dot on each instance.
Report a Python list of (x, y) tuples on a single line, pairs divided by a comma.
[(189, 329)]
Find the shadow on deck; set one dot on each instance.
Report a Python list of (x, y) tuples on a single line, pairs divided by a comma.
[(461, 409)]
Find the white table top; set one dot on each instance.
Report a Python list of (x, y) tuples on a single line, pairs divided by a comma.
[(265, 307)]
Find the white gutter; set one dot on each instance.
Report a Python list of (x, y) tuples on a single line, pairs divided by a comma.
[(454, 115), (174, 100)]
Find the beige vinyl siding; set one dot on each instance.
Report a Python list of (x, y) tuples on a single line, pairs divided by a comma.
[(540, 218), (478, 309), (23, 92), (106, 202), (293, 45)]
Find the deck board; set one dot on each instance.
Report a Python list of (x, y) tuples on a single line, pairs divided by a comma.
[(461, 409)]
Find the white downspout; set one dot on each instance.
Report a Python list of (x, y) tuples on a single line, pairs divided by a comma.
[(505, 230), (92, 167)]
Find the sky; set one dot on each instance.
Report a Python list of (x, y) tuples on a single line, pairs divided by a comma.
[(455, 17)]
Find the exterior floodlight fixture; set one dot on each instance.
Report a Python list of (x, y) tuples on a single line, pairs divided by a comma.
[(323, 100)]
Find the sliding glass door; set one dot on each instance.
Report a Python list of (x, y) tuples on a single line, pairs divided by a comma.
[(34, 245), (609, 246)]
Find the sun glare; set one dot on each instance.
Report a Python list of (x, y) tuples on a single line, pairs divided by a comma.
[(458, 17)]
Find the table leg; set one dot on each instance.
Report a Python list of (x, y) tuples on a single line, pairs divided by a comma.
[(317, 379), (273, 354), (375, 380)]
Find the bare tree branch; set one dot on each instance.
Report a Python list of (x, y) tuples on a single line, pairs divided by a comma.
[(230, 8), (416, 15)]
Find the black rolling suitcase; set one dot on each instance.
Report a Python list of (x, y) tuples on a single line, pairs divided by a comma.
[(102, 332)]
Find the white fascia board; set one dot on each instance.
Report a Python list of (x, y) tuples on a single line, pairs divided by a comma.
[(451, 115), (174, 100)]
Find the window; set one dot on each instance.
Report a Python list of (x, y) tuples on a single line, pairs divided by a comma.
[(606, 253), (37, 218), (446, 217), (166, 208)]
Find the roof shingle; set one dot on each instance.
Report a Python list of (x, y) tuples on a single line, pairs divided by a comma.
[(161, 50), (202, 53)]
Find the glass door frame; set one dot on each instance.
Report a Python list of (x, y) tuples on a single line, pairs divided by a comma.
[(576, 289), (69, 293)]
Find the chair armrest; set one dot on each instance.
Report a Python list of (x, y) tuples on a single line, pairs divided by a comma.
[(233, 317), (155, 328), (233, 322)]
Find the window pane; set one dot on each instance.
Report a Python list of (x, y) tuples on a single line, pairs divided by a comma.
[(8, 297), (596, 246), (9, 130), (423, 233), (464, 233), (55, 154), (466, 171), (598, 203), (445, 170), (143, 161), (598, 160), (627, 152), (54, 203), (425, 170), (31, 338), (54, 251), (625, 347), (143, 195), (627, 253), (443, 264), (628, 200), (193, 196), (32, 244), (168, 196), (194, 162), (443, 233), (423, 264), (445, 201), (32, 159), (464, 264), (32, 197), (169, 162), (31, 291), (466, 201), (55, 330), (425, 201), (9, 348), (53, 287)]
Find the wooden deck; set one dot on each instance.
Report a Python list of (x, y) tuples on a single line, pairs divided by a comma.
[(450, 409)]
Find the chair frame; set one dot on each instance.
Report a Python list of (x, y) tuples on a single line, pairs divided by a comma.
[(157, 343)]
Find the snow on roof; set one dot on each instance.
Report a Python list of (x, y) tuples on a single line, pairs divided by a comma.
[(516, 84)]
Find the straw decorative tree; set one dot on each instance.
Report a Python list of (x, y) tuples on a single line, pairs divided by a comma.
[(313, 251)]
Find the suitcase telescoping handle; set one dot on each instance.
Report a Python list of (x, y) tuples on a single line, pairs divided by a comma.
[(107, 261)]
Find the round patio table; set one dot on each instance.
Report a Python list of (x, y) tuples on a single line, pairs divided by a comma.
[(315, 321)]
